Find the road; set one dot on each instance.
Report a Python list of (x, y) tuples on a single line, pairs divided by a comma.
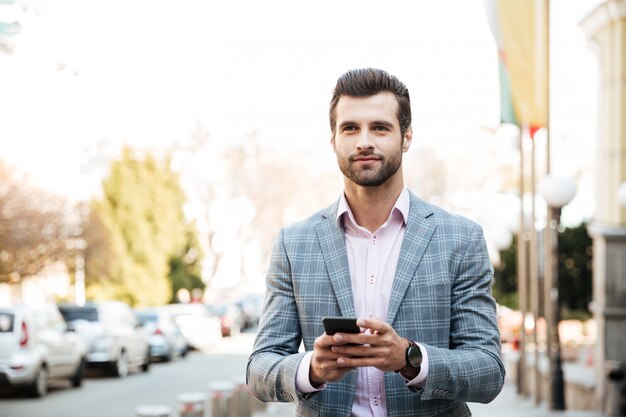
[(104, 396)]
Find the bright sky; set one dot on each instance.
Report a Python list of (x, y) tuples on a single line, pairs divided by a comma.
[(144, 72)]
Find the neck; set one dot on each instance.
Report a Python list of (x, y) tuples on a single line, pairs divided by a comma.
[(371, 206)]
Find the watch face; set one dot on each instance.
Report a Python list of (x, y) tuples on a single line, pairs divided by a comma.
[(414, 356)]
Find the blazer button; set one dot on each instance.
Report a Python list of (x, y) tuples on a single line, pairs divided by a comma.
[(285, 396)]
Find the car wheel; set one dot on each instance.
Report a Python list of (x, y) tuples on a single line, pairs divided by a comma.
[(39, 387), (145, 366), (77, 378), (120, 366)]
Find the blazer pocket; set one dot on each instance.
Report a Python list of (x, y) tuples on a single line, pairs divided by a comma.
[(437, 293)]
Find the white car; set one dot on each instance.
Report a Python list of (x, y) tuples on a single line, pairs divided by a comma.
[(37, 346), (164, 336), (114, 336), (198, 324)]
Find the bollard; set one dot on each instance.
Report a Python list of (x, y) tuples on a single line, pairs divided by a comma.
[(615, 398), (241, 395), (192, 404), (153, 411), (257, 407), (221, 395)]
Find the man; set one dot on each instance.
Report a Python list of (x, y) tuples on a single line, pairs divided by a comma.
[(417, 277)]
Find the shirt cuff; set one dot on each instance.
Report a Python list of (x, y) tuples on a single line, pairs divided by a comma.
[(419, 380), (303, 383)]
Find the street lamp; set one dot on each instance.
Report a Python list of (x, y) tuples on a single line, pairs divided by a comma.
[(557, 192)]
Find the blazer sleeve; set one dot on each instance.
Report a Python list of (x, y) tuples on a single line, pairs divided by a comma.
[(272, 366), (471, 369)]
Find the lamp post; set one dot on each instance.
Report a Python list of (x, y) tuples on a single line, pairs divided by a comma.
[(557, 192)]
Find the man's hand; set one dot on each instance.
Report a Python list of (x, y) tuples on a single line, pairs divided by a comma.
[(380, 347), (324, 365)]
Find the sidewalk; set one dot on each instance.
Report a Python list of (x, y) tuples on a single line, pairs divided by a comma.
[(508, 404)]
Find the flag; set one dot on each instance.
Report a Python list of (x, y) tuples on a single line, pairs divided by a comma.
[(520, 29)]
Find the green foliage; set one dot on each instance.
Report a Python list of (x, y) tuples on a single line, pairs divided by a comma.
[(575, 268), (575, 273), (141, 229), (505, 277), (185, 268)]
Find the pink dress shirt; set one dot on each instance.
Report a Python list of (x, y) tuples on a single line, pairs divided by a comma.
[(372, 259)]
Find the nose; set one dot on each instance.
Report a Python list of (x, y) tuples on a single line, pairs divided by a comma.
[(364, 141)]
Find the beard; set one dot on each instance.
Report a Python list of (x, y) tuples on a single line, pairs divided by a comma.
[(370, 176)]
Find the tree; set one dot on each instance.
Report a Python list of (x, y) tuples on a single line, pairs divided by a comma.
[(505, 277), (35, 227), (185, 268), (575, 268), (575, 272), (137, 228)]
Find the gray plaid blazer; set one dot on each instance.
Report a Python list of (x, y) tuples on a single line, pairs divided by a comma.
[(441, 297)]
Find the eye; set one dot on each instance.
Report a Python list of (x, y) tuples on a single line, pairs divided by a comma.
[(349, 128), (381, 128)]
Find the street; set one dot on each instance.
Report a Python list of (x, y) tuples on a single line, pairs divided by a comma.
[(105, 396)]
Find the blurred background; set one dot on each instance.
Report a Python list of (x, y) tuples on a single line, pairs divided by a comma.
[(150, 151)]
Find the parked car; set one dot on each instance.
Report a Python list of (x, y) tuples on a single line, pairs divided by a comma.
[(36, 346), (164, 336), (198, 324), (115, 337), (232, 321), (250, 306)]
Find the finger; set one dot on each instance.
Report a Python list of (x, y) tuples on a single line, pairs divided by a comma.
[(343, 339), (380, 362), (361, 351), (374, 325), (324, 341)]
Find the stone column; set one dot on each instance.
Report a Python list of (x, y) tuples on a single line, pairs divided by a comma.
[(606, 28)]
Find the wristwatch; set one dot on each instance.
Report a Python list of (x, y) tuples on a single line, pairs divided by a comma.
[(413, 356)]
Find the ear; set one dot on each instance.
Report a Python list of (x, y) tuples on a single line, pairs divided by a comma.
[(408, 137), (332, 142)]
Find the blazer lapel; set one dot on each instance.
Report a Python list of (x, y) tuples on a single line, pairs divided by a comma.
[(332, 242), (417, 235)]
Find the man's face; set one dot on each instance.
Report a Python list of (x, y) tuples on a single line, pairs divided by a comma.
[(367, 139)]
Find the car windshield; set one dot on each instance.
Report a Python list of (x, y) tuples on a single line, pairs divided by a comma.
[(79, 313), (148, 317)]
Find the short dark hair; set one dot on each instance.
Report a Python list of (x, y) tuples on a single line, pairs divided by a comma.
[(367, 82)]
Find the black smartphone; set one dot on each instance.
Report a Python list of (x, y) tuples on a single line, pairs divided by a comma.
[(334, 325)]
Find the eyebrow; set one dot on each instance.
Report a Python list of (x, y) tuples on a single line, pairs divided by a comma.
[(373, 123), (382, 123)]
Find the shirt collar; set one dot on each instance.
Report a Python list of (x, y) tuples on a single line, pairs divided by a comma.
[(401, 206)]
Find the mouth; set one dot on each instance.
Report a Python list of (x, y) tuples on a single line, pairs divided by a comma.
[(370, 158)]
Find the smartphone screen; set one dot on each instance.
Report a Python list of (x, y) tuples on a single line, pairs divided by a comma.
[(334, 325)]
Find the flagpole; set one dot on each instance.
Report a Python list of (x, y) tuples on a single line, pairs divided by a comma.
[(522, 276), (534, 269)]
